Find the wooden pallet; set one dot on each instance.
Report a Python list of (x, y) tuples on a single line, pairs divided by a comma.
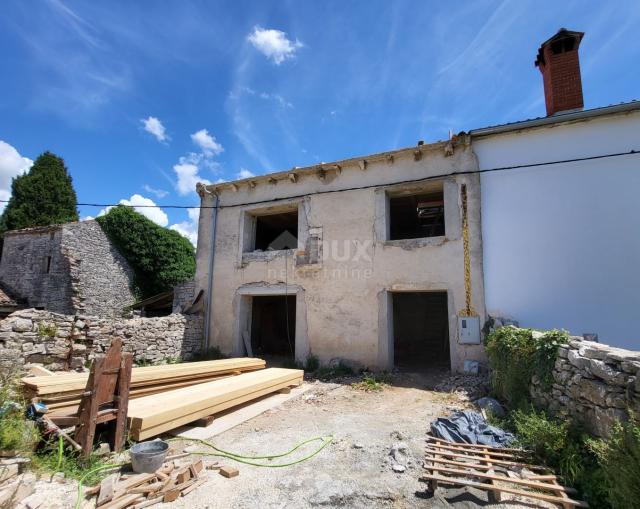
[(485, 468)]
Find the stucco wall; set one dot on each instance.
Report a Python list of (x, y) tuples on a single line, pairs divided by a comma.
[(562, 242), (343, 302), (86, 273)]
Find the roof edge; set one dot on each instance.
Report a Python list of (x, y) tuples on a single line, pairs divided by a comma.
[(359, 161), (556, 119)]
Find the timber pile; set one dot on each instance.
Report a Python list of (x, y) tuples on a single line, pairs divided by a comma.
[(496, 470), (62, 392), (144, 490), (149, 416)]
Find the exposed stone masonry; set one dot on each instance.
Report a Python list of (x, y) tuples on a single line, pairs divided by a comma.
[(595, 385), (62, 342), (69, 268)]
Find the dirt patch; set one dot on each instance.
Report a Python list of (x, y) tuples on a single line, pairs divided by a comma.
[(374, 460)]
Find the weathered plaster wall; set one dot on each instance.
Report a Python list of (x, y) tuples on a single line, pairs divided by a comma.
[(595, 385), (561, 242), (86, 274), (63, 342), (343, 302)]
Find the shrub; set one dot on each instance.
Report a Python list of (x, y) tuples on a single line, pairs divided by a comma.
[(515, 355), (563, 447), (160, 258), (619, 459), (16, 432)]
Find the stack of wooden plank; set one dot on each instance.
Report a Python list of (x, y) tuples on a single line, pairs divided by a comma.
[(496, 470), (143, 490), (151, 415), (62, 392)]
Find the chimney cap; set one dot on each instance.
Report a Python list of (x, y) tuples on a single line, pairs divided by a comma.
[(561, 34)]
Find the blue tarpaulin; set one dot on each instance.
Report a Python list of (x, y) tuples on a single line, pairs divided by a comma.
[(471, 428)]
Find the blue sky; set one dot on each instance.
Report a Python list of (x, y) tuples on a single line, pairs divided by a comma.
[(142, 99)]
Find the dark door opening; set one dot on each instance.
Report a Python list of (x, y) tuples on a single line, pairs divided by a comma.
[(420, 330), (273, 326)]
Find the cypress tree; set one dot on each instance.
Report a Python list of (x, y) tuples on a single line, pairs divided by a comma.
[(41, 197)]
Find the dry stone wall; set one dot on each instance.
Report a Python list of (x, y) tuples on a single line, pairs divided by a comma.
[(594, 385), (62, 342)]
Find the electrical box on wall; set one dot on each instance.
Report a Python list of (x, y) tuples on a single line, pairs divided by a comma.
[(469, 330)]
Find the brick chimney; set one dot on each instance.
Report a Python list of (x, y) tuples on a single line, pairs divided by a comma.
[(560, 67)]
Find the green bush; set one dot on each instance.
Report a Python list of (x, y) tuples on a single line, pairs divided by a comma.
[(16, 432), (565, 449), (619, 459), (515, 355), (160, 258)]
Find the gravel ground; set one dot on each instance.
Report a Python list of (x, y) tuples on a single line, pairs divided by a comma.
[(374, 432)]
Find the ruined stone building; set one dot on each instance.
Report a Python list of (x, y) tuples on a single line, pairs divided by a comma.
[(71, 268), (384, 259)]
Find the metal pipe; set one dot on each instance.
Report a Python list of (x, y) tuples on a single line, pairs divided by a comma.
[(209, 301)]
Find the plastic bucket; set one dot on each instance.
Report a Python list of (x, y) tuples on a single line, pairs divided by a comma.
[(147, 457)]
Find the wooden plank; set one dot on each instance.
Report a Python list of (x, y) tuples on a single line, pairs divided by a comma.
[(147, 503), (494, 495), (40, 371), (135, 480), (505, 489), (153, 415), (122, 403), (123, 502), (480, 453), (477, 446), (229, 472), (449, 454), (141, 434), (144, 376), (493, 477)]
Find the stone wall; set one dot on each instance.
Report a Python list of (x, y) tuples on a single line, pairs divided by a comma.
[(61, 342), (101, 278), (70, 268), (183, 296), (595, 385)]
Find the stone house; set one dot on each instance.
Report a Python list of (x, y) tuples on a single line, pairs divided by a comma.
[(384, 259), (71, 269), (377, 260)]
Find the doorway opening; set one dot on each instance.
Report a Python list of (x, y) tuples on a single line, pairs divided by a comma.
[(420, 330), (273, 326)]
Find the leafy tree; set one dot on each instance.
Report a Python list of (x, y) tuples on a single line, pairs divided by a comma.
[(42, 196), (160, 258)]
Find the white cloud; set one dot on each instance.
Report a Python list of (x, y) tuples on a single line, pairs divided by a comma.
[(189, 228), (87, 218), (207, 143), (187, 172), (274, 44), (154, 126), (159, 193), (245, 174), (148, 209), (12, 164)]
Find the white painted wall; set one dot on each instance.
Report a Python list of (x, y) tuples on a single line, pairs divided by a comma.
[(562, 242)]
